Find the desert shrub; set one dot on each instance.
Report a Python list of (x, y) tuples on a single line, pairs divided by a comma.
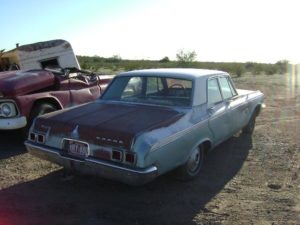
[(239, 70), (282, 66), (270, 69), (249, 66), (257, 69)]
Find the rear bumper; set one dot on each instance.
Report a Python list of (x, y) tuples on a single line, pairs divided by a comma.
[(12, 123), (92, 166)]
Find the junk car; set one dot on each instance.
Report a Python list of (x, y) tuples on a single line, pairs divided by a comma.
[(26, 94), (32, 82), (146, 123)]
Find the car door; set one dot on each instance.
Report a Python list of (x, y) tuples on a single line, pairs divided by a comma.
[(237, 106), (217, 110)]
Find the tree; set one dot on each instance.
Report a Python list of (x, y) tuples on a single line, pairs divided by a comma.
[(185, 57), (165, 59)]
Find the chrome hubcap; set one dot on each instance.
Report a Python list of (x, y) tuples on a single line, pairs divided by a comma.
[(194, 160)]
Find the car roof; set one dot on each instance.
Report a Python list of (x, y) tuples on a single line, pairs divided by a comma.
[(186, 73)]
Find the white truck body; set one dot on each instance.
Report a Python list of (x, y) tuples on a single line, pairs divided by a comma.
[(54, 53)]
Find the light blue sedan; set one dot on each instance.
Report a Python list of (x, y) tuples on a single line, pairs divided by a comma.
[(146, 123)]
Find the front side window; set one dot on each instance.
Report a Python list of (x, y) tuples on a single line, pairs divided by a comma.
[(150, 90)]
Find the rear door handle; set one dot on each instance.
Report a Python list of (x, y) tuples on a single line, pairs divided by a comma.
[(211, 110)]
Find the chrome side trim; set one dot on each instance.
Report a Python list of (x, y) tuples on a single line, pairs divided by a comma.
[(175, 136)]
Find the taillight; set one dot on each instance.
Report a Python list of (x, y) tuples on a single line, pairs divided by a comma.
[(116, 155), (41, 138), (123, 156), (32, 137), (130, 157)]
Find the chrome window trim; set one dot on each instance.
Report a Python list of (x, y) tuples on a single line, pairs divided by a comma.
[(175, 136)]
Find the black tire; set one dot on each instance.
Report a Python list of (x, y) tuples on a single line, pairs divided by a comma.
[(37, 110), (41, 109), (192, 167), (249, 128)]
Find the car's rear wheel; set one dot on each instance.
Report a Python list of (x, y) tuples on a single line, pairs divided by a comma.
[(193, 165)]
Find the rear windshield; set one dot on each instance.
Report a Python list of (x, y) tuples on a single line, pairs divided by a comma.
[(150, 90)]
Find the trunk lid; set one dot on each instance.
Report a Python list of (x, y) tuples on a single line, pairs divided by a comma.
[(108, 123)]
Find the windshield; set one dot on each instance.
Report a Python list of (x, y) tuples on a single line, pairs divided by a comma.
[(150, 90)]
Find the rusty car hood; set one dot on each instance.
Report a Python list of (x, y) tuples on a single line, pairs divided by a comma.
[(14, 83), (107, 123)]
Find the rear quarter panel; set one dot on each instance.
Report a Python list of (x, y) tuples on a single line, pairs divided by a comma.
[(170, 147), (175, 153)]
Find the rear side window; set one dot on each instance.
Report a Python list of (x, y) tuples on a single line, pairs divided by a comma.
[(225, 88), (213, 92)]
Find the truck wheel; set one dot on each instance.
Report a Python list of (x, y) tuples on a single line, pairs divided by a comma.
[(38, 110), (249, 128), (192, 167), (41, 109)]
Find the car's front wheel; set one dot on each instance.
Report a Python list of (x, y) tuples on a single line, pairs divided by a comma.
[(41, 109), (193, 165), (249, 128)]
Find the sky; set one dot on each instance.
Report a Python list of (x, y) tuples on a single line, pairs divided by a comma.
[(217, 30)]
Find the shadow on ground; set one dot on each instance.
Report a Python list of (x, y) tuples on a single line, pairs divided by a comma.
[(11, 144), (86, 200)]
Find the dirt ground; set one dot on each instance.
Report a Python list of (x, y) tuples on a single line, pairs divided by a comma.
[(246, 180)]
